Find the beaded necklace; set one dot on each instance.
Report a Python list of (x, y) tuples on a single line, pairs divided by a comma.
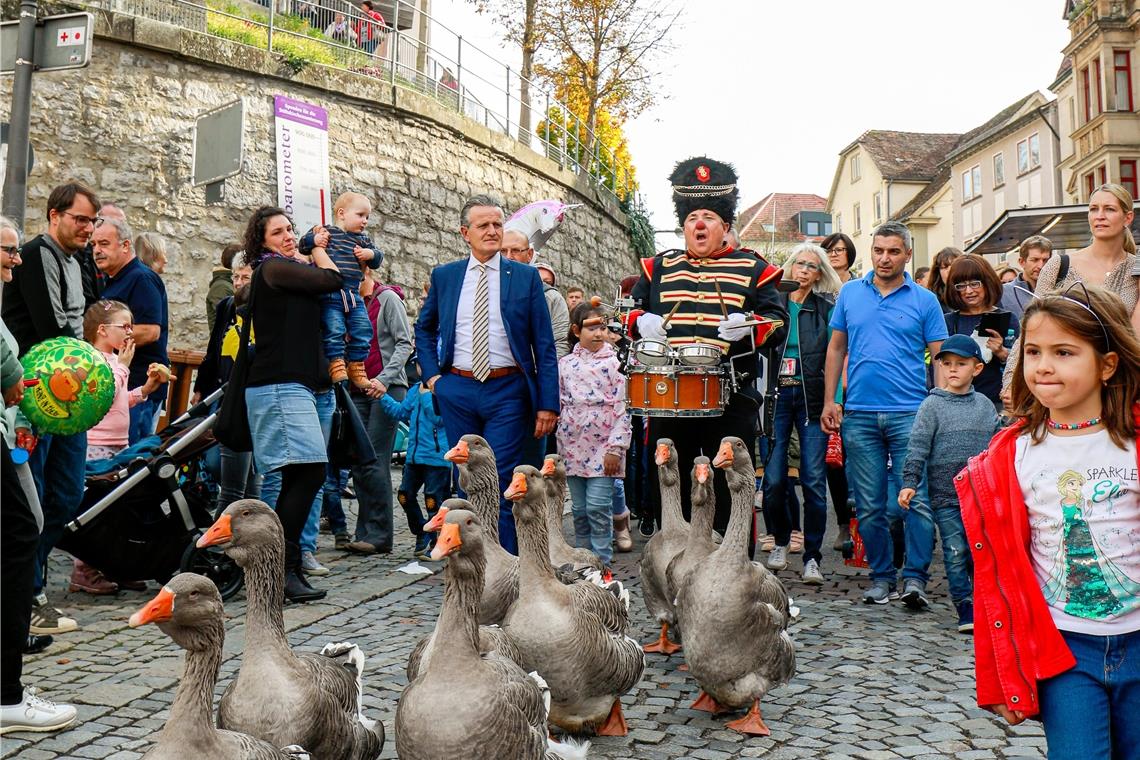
[(1053, 425)]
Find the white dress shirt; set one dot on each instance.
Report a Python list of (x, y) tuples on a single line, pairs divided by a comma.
[(497, 334)]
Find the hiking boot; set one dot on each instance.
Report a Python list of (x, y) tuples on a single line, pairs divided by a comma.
[(914, 594), (766, 542), (622, 540), (796, 543), (965, 616), (297, 587), (342, 540), (812, 576), (35, 714), (48, 620), (90, 580), (36, 644), (880, 592), (311, 566), (358, 376), (337, 371), (778, 558), (842, 537), (423, 546)]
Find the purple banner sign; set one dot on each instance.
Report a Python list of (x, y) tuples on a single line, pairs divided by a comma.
[(300, 112)]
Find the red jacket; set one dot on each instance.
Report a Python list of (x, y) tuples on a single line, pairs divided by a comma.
[(1016, 643)]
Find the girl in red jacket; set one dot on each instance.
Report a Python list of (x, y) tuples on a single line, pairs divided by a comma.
[(1052, 512)]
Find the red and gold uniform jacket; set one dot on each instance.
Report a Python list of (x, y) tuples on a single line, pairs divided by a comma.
[(747, 284)]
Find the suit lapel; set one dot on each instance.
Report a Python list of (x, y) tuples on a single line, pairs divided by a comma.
[(505, 277)]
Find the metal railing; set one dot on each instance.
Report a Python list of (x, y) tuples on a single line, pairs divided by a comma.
[(427, 57)]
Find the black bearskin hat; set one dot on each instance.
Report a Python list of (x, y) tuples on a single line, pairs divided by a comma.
[(704, 183)]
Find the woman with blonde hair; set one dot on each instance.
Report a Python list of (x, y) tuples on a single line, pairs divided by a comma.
[(151, 249)]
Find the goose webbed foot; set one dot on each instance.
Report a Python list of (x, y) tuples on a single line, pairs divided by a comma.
[(708, 704), (614, 724), (663, 644), (752, 723)]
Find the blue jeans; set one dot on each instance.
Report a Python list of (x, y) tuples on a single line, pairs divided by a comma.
[(344, 319), (620, 507), (593, 514), (1093, 710), (58, 467), (236, 477), (271, 484), (791, 410), (955, 551), (869, 438), (142, 417), (331, 506), (436, 482)]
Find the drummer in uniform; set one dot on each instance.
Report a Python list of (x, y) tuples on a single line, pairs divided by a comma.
[(710, 294)]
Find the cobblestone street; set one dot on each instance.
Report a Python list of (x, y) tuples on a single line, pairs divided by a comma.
[(872, 682)]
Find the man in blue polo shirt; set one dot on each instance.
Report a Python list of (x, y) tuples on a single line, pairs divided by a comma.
[(881, 325), (136, 285)]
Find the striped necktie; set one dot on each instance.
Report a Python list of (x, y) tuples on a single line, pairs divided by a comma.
[(480, 337)]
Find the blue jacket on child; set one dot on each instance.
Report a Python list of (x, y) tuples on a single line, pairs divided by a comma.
[(427, 439)]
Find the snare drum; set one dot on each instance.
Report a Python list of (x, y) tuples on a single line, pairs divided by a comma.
[(653, 353), (699, 355), (677, 391)]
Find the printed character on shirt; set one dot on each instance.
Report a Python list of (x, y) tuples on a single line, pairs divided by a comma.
[(346, 330)]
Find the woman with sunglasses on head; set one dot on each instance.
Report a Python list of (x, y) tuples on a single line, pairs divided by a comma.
[(799, 406), (973, 293)]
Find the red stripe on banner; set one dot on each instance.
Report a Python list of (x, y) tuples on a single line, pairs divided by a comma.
[(322, 207)]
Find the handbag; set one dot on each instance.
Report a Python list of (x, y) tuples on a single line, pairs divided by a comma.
[(349, 444), (231, 428)]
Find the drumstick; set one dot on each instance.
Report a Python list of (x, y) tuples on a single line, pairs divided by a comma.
[(720, 297), (669, 316)]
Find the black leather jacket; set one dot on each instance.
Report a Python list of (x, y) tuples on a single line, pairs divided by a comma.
[(812, 331)]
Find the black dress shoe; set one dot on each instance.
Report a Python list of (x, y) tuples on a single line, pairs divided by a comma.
[(36, 644)]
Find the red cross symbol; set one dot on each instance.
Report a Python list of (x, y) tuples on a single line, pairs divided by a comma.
[(63, 37)]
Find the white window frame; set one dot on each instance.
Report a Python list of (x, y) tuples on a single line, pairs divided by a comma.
[(856, 168), (1029, 143), (997, 162), (839, 222), (858, 213), (877, 199)]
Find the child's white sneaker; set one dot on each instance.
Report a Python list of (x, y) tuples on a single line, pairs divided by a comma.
[(35, 714)]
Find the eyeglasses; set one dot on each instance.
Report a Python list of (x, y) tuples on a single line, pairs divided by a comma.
[(807, 265), (83, 221), (125, 326), (11, 250), (837, 250), (967, 284)]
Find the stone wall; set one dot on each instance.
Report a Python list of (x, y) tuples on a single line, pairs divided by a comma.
[(125, 125)]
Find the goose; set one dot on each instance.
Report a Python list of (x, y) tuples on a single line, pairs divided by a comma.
[(663, 547), (196, 623), (491, 637), (735, 613), (310, 699), (700, 543), (579, 560), (492, 708), (573, 635), (479, 479)]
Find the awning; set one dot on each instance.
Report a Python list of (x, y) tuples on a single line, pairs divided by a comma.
[(1067, 227)]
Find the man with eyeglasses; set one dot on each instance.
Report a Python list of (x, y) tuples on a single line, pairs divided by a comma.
[(517, 247), (46, 301), (881, 325)]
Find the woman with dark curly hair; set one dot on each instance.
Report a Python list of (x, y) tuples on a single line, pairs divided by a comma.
[(287, 382)]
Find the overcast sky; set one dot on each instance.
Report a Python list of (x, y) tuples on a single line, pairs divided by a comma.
[(778, 89)]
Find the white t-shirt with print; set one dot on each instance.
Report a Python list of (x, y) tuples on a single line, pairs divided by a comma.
[(1083, 497)]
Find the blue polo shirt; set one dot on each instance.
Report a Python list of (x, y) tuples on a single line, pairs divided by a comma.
[(142, 291), (886, 343)]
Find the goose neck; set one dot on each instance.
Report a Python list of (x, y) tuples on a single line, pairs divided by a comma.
[(702, 523), (534, 543), (741, 488), (265, 596), (671, 516), (191, 713), (457, 631), (481, 484)]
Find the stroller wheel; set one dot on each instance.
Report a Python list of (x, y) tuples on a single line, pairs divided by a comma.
[(213, 563)]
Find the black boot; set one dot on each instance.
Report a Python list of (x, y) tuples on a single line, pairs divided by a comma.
[(297, 588)]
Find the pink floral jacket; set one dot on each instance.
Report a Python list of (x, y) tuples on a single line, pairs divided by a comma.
[(593, 420)]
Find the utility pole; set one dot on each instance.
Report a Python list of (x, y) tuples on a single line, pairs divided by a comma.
[(16, 177)]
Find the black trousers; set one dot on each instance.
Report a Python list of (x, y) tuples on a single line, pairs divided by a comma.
[(19, 537), (694, 436)]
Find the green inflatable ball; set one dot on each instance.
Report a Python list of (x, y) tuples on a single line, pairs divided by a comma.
[(68, 386)]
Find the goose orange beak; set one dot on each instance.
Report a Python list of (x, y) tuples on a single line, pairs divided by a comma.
[(662, 455), (517, 489), (458, 454), (448, 542), (436, 522), (703, 473), (221, 532), (156, 610), (547, 468), (723, 456)]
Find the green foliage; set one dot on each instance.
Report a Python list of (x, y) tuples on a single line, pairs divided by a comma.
[(641, 240), (294, 40), (611, 163)]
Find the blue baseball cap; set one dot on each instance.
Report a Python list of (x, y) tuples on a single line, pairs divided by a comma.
[(961, 345)]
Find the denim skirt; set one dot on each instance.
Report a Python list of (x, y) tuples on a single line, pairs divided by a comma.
[(284, 426)]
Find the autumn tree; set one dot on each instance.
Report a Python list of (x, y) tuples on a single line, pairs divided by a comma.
[(522, 23)]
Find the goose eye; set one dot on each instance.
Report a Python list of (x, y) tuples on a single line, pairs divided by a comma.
[(245, 513), (468, 520), (193, 594)]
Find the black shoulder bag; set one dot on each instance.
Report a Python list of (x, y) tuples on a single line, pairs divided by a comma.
[(231, 428)]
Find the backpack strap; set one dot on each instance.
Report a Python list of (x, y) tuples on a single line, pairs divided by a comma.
[(1063, 269)]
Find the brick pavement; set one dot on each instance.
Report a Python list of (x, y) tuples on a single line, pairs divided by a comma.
[(872, 683)]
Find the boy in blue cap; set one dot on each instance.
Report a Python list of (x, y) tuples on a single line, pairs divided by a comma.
[(953, 424)]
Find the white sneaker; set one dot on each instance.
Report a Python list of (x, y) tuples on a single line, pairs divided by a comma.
[(778, 558), (812, 575), (310, 565), (35, 714)]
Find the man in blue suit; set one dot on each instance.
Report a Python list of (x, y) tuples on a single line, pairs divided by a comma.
[(484, 342)]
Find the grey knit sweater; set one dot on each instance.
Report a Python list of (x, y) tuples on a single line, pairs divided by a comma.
[(948, 430)]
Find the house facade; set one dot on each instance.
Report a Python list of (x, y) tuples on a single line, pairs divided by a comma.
[(780, 221)]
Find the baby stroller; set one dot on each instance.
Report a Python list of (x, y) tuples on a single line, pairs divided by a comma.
[(142, 517)]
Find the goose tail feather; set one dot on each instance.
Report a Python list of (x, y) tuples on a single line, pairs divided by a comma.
[(568, 749)]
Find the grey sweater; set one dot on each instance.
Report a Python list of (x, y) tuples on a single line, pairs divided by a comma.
[(948, 430)]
